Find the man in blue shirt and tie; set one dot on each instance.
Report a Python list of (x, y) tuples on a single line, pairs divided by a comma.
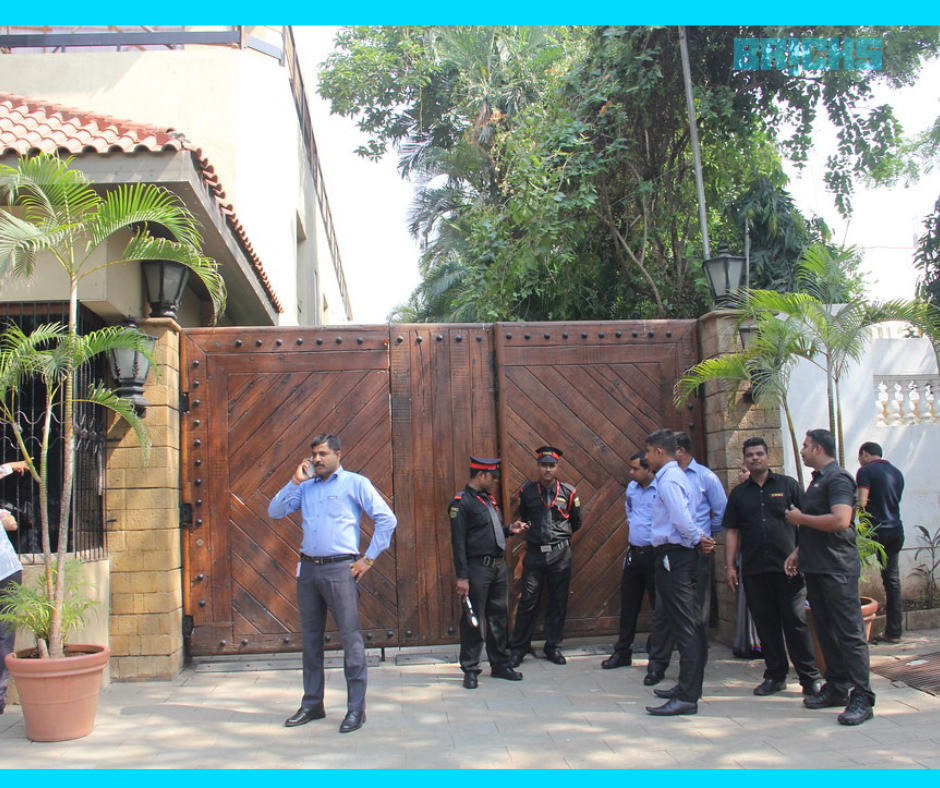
[(677, 542), (332, 501)]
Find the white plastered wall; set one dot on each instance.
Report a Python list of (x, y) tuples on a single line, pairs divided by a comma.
[(913, 447)]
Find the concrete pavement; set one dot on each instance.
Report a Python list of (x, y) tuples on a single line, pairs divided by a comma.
[(230, 714)]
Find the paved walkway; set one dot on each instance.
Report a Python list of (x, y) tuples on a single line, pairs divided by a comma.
[(219, 715)]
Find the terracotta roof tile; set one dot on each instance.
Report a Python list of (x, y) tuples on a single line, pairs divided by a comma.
[(28, 126)]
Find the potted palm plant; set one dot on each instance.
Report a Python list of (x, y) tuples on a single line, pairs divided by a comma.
[(52, 209)]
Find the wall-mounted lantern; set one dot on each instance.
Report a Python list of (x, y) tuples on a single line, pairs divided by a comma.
[(166, 283), (130, 368)]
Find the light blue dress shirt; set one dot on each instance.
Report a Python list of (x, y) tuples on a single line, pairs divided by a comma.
[(639, 507), (331, 513), (9, 561), (712, 498), (675, 501)]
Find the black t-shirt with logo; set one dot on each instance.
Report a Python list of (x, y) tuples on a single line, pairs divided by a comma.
[(829, 552), (758, 512)]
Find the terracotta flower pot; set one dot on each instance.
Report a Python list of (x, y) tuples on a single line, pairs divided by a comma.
[(59, 696), (869, 611)]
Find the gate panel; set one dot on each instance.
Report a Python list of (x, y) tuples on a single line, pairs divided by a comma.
[(411, 406), (595, 390), (443, 410), (254, 408)]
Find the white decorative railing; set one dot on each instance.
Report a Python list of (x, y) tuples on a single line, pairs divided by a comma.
[(904, 400)]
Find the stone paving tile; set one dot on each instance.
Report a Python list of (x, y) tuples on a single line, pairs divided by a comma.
[(575, 716)]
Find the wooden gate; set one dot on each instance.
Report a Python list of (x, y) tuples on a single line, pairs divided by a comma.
[(410, 404)]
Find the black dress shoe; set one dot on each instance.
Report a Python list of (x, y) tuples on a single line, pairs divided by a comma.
[(553, 656), (769, 687), (809, 690), (826, 698), (666, 693), (673, 707), (353, 721), (470, 681), (302, 716), (652, 678), (616, 660), (506, 673), (515, 660)]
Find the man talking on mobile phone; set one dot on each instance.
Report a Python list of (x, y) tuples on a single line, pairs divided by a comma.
[(332, 501)]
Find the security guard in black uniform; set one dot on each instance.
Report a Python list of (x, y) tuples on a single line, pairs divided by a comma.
[(553, 512), (478, 537)]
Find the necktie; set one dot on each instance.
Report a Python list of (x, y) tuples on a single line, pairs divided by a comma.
[(497, 525)]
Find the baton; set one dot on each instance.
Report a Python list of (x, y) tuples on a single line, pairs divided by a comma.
[(471, 616)]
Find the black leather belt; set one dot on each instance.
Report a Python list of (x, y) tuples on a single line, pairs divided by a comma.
[(661, 549), (328, 559), (641, 549), (486, 560), (549, 548)]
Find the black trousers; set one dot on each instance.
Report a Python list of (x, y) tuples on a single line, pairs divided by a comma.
[(677, 572), (662, 643), (778, 606), (539, 569), (892, 541), (639, 575), (489, 595), (837, 614)]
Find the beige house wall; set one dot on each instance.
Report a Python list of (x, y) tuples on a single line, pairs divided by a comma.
[(236, 105)]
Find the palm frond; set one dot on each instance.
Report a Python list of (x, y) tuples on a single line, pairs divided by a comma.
[(134, 205), (51, 192), (102, 396), (726, 369)]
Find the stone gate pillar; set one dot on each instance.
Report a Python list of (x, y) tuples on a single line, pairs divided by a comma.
[(726, 429), (143, 537)]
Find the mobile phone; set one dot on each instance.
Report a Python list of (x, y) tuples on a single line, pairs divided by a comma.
[(308, 467)]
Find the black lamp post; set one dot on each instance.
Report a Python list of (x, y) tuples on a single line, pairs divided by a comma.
[(725, 273), (130, 368), (166, 282)]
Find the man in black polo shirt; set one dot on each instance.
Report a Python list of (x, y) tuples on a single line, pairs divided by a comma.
[(756, 523), (828, 558), (880, 486)]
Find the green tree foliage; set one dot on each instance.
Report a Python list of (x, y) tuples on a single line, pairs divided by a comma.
[(927, 258), (554, 165)]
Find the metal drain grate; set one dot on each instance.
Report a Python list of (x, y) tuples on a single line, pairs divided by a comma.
[(920, 672)]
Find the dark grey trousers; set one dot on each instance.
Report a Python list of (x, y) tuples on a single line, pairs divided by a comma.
[(661, 642), (678, 599), (322, 588)]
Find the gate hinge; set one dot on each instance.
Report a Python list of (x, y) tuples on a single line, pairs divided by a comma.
[(184, 402), (186, 516)]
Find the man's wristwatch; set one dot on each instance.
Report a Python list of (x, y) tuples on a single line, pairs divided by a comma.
[(368, 560)]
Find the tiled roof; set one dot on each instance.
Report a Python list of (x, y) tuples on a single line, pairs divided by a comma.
[(29, 126)]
